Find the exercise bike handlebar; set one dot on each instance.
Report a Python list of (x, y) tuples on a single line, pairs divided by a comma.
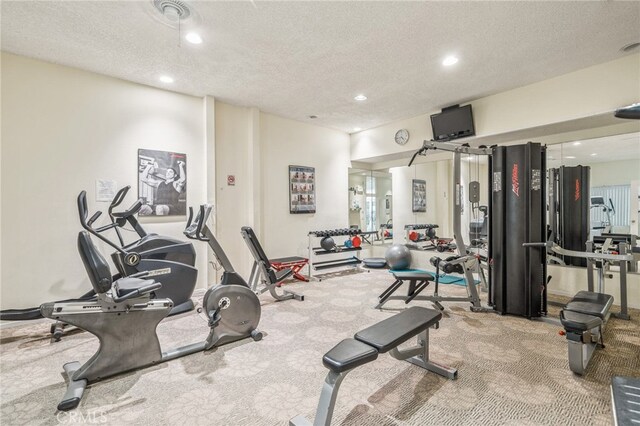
[(138, 292), (194, 228), (87, 224)]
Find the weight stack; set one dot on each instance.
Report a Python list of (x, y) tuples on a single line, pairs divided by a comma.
[(574, 215), (517, 275)]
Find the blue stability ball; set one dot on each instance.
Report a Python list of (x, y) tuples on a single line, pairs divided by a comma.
[(398, 256)]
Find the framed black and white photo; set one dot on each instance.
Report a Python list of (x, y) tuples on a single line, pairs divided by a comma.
[(302, 189), (162, 183), (419, 195)]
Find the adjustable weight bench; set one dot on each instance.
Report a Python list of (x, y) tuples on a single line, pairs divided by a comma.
[(583, 319), (263, 271), (382, 337)]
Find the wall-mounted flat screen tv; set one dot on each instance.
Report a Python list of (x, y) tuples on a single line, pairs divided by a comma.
[(453, 123)]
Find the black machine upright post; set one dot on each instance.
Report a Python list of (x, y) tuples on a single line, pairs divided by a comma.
[(569, 210), (518, 216)]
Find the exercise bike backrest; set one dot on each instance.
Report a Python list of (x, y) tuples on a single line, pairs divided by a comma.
[(95, 264)]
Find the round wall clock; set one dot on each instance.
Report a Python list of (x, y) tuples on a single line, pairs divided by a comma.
[(402, 136)]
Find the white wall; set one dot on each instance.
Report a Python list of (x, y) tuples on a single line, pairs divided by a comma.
[(286, 142), (62, 129), (614, 172)]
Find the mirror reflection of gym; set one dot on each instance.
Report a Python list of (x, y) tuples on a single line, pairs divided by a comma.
[(370, 203)]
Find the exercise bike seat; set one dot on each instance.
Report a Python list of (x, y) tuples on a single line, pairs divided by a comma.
[(128, 285)]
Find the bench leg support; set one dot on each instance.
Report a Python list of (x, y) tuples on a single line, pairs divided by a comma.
[(419, 355), (327, 402), (580, 354)]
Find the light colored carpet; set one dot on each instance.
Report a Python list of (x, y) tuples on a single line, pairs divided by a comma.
[(511, 370)]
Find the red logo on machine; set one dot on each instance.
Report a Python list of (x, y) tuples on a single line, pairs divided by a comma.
[(515, 182), (577, 197)]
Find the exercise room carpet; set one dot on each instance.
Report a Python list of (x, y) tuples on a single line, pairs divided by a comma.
[(511, 371)]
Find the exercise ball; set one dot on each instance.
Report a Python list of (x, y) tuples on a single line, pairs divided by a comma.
[(398, 256), (413, 236), (356, 241), (327, 243)]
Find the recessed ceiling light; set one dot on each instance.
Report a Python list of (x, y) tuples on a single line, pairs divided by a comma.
[(570, 157), (577, 143), (356, 129), (450, 60), (594, 154), (166, 79), (193, 38), (360, 98)]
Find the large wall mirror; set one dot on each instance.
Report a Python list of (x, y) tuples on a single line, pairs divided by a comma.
[(612, 164), (435, 171), (371, 201)]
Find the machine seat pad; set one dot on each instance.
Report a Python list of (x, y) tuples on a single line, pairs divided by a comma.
[(127, 285), (348, 354), (409, 275), (282, 274), (577, 322), (393, 331), (590, 303)]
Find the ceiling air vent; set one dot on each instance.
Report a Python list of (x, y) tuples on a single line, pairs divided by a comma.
[(172, 10)]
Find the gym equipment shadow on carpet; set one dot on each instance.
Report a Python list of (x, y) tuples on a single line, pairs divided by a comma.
[(511, 371)]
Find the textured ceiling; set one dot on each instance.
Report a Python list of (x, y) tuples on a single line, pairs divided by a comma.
[(297, 59)]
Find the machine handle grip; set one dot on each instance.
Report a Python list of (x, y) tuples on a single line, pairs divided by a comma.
[(546, 244), (203, 219), (135, 207), (139, 292), (93, 218), (119, 197)]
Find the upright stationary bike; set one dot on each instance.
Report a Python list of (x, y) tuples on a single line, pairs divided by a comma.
[(125, 315)]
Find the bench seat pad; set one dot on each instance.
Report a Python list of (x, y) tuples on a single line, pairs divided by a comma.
[(574, 321), (590, 303), (348, 354), (413, 276), (391, 332)]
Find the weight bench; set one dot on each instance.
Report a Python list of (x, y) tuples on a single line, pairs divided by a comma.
[(382, 337), (583, 319), (295, 263), (263, 272), (418, 281)]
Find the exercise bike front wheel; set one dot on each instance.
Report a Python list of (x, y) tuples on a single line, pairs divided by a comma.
[(238, 309)]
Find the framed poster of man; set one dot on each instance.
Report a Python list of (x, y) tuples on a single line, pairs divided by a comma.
[(162, 183), (302, 189), (419, 195)]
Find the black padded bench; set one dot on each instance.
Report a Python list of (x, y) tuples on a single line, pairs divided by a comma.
[(583, 319), (625, 401), (365, 346)]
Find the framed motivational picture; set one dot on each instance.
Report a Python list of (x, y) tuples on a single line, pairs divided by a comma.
[(419, 195), (162, 183), (302, 189)]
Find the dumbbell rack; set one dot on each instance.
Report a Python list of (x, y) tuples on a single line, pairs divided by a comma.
[(417, 228), (314, 252)]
